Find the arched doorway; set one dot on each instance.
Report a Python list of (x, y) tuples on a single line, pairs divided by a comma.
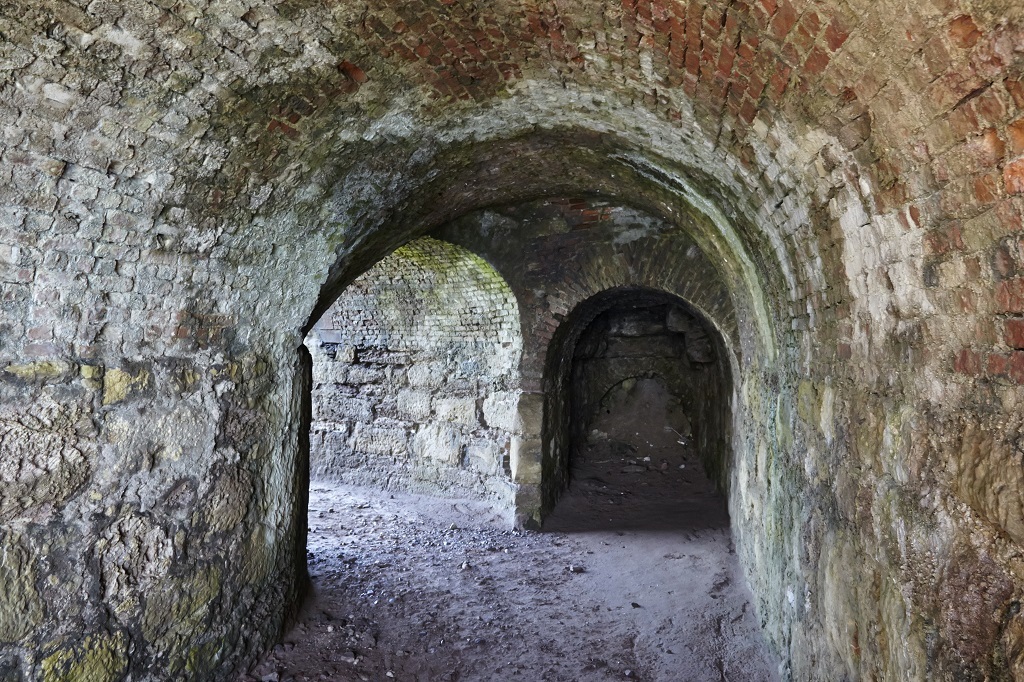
[(617, 356), (415, 377), (639, 432)]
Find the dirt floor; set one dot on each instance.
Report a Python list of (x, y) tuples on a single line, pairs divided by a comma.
[(633, 577)]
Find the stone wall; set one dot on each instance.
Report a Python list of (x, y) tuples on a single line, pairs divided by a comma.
[(416, 377), (186, 187)]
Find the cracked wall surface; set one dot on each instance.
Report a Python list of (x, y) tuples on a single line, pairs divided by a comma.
[(187, 186)]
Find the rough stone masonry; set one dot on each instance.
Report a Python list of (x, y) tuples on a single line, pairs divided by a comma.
[(186, 186)]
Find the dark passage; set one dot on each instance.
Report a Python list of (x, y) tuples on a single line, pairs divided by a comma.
[(637, 468), (648, 419)]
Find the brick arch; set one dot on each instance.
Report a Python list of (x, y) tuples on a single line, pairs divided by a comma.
[(557, 254), (556, 434), (580, 162), (171, 175)]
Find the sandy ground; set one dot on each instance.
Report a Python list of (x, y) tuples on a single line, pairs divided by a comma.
[(633, 577)]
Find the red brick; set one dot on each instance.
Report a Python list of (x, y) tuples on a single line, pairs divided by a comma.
[(1013, 332), (1015, 87), (1010, 296), (986, 187), (1009, 214), (1013, 177), (967, 362), (915, 215), (1016, 371), (997, 364), (726, 59), (791, 55), (748, 111), (352, 72), (966, 302), (973, 267), (756, 87), (963, 122), (811, 23), (40, 333), (801, 38), (780, 79), (784, 20), (1003, 264), (936, 56), (964, 32), (836, 35), (1015, 136), (986, 149), (816, 62), (989, 107), (41, 350)]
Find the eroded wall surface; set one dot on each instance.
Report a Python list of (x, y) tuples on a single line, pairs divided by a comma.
[(416, 377), (185, 187)]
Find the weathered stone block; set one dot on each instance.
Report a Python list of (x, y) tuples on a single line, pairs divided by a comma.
[(414, 404), (341, 408), (430, 375), (458, 410), (525, 458), (21, 608), (501, 409), (437, 442), (485, 456), (121, 384), (100, 657), (381, 440)]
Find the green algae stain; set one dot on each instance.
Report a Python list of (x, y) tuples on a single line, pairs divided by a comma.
[(178, 608), (44, 370), (202, 659), (21, 608), (783, 423), (100, 658), (119, 384), (259, 557), (807, 401)]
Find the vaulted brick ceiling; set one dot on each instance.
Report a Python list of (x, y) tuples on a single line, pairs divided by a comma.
[(186, 185)]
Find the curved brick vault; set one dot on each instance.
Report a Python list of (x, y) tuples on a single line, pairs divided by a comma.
[(186, 186)]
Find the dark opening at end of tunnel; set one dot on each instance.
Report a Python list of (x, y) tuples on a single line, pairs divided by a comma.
[(646, 417)]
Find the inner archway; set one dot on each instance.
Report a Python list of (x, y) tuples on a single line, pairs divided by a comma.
[(415, 377), (644, 418), (651, 362)]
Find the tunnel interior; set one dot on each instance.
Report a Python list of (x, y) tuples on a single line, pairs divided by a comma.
[(836, 186), (646, 344), (631, 369), (416, 388)]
